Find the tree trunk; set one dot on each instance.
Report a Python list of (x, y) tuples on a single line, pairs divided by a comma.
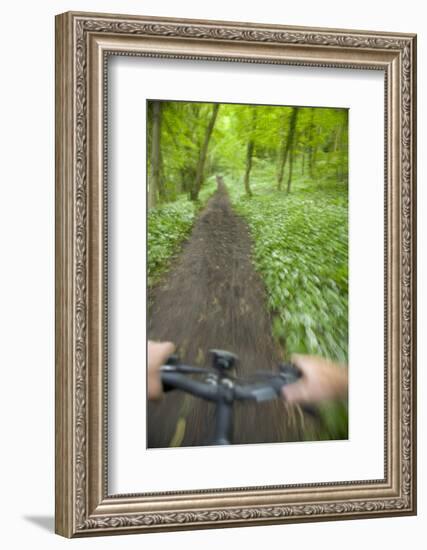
[(194, 194), (154, 181), (163, 195), (313, 157), (310, 141), (249, 153), (291, 164), (343, 157), (286, 146)]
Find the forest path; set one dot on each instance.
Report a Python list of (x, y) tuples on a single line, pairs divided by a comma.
[(212, 297)]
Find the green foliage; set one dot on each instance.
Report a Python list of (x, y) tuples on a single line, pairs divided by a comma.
[(320, 144), (301, 250), (300, 237), (182, 133), (168, 226)]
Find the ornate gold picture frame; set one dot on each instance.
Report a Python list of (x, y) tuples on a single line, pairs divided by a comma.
[(84, 42)]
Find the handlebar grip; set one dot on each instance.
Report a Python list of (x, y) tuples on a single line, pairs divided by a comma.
[(172, 380), (290, 372), (270, 387)]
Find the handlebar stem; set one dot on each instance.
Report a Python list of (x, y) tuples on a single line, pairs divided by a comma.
[(224, 423)]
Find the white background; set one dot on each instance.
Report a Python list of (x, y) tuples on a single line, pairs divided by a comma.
[(132, 467), (27, 268)]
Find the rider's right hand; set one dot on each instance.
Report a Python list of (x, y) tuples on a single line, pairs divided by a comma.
[(321, 380), (158, 352)]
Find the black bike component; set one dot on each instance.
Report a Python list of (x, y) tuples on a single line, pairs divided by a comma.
[(261, 391), (224, 423), (220, 387), (174, 366), (176, 380), (290, 372), (185, 369), (223, 360), (173, 360)]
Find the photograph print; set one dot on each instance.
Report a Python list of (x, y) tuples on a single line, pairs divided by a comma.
[(247, 273)]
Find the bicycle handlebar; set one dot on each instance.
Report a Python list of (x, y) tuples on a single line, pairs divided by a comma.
[(176, 380), (220, 387), (215, 387)]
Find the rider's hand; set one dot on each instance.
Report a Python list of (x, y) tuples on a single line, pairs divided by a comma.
[(158, 352), (321, 380)]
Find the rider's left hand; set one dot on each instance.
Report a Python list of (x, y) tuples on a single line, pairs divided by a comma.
[(158, 352)]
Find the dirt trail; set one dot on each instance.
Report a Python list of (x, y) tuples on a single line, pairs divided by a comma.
[(213, 298)]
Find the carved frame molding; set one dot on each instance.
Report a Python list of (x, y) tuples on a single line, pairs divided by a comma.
[(83, 43)]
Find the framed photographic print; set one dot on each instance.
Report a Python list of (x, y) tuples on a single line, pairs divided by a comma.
[(235, 274)]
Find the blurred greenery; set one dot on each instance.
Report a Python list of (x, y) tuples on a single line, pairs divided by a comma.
[(301, 250), (168, 226), (286, 170)]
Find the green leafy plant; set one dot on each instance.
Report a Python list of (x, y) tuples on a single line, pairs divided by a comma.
[(286, 170), (168, 226), (300, 249)]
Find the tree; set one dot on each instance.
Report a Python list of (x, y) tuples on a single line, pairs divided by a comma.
[(292, 154), (189, 141), (311, 153), (154, 181), (249, 152), (286, 146), (194, 193)]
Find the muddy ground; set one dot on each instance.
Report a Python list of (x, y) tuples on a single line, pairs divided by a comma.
[(212, 297)]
